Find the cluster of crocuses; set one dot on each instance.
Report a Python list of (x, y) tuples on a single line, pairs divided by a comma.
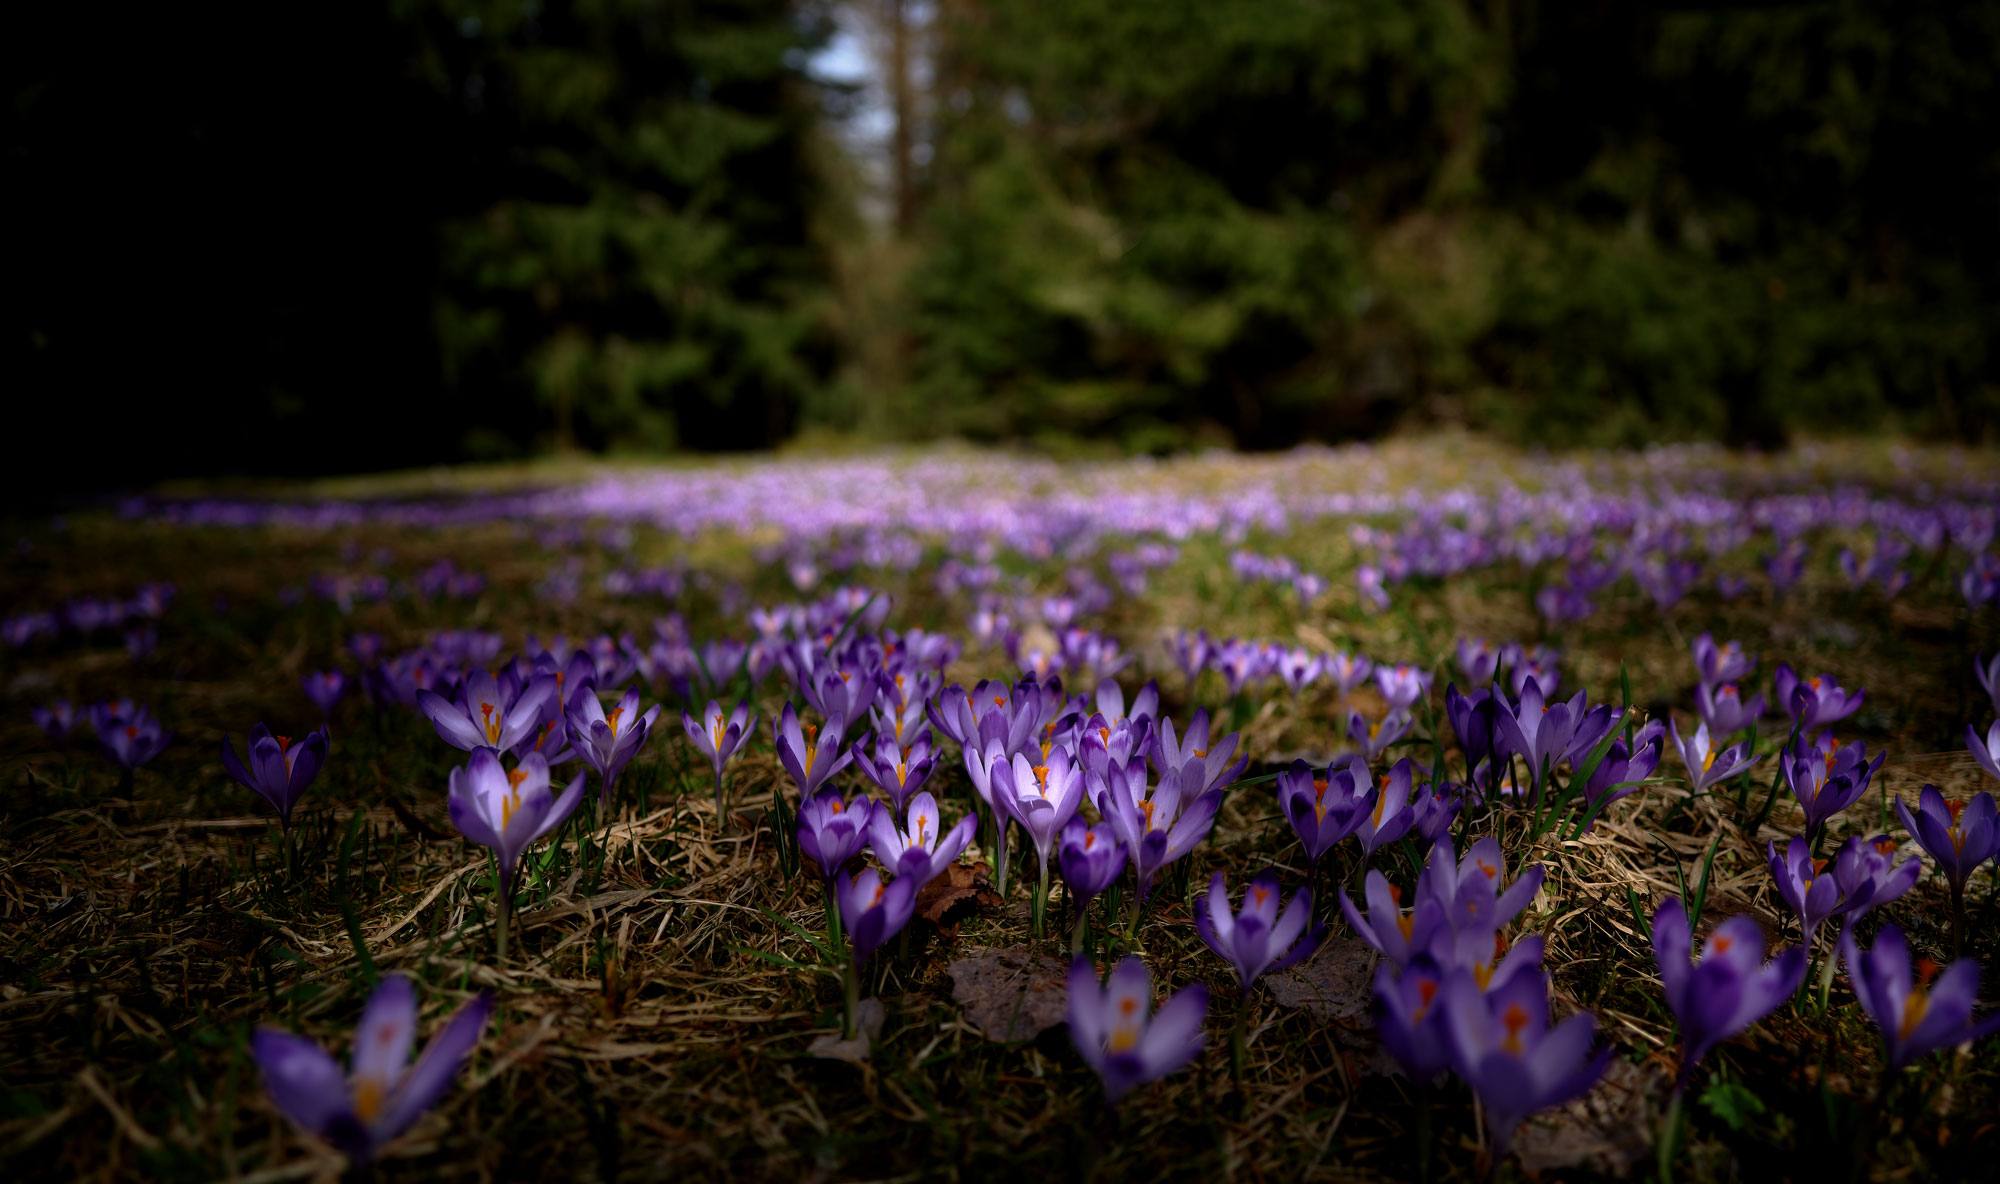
[(130, 733), (1514, 741), (1089, 784), (1452, 994), (88, 616), (1731, 987), (1252, 568)]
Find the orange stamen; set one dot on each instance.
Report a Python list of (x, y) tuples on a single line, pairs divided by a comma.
[(1515, 1018)]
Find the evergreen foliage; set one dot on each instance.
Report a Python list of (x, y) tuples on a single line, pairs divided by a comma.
[(1572, 221)]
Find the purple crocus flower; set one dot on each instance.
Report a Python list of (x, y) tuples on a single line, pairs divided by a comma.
[(1488, 958), (1090, 858), (1211, 757), (1723, 663), (1434, 807), (809, 754), (1409, 1017), (1869, 875), (1396, 934), (1347, 670), (1917, 1015), (1161, 828), (360, 1111), (324, 688), (844, 694), (508, 811), (1785, 566), (608, 741), (1192, 652), (1539, 664), (278, 770), (1707, 765), (1327, 808), (1987, 750), (1110, 703), (1864, 877), (895, 769), (1988, 670), (1299, 668), (1469, 889), (1041, 797), (1102, 743), (1825, 778), (1958, 835), (1241, 663), (1622, 766), (1374, 739), (490, 713), (1478, 660), (574, 679), (1537, 731), (1117, 1032), (1391, 817), (717, 737), (972, 718), (901, 703), (833, 830), (132, 737), (1812, 702), (1802, 883), (1259, 939), (922, 850), (1472, 718), (1723, 709), (983, 752), (1503, 1045), (1731, 988), (1401, 685), (873, 912), (58, 719)]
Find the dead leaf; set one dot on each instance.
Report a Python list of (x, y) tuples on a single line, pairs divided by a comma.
[(867, 1030), (959, 884), (1333, 986), (1011, 995), (1608, 1130)]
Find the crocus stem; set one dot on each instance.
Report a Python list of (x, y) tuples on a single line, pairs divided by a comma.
[(1138, 909), (1079, 930), (505, 909), (1669, 1141), (718, 799), (1424, 1133), (1042, 903), (1958, 918), (1239, 1041), (853, 985), (833, 934)]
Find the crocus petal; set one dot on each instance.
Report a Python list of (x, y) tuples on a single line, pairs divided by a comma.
[(385, 1034), (435, 1067), (303, 1080)]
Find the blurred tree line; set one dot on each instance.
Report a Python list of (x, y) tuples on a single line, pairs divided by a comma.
[(255, 238)]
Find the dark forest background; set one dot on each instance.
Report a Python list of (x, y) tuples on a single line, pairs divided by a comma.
[(294, 238)]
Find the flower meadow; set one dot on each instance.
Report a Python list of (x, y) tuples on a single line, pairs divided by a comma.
[(1423, 810)]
